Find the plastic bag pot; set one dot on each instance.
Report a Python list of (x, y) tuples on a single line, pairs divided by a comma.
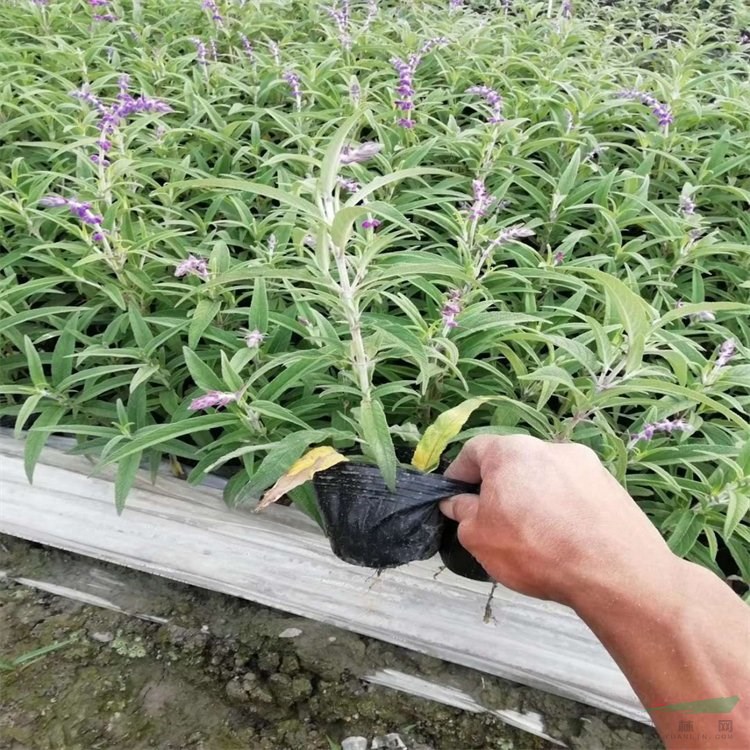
[(457, 558), (369, 525)]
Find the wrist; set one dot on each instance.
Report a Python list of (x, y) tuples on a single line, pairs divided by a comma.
[(635, 584)]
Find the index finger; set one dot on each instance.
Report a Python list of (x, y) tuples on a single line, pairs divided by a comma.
[(468, 464)]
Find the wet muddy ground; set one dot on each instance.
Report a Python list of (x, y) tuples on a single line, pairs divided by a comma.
[(213, 672)]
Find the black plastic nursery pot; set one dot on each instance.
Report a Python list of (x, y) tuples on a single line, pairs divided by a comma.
[(371, 526)]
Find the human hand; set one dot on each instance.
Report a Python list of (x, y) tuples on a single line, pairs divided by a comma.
[(550, 520)]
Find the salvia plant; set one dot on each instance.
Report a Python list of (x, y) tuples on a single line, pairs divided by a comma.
[(231, 232)]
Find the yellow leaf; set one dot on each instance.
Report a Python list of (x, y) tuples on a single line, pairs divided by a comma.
[(437, 436), (302, 470)]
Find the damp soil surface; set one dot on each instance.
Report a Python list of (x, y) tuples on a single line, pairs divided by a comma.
[(184, 668)]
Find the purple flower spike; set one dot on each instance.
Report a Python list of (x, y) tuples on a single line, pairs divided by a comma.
[(451, 308), (482, 200), (371, 223), (456, 4), (201, 51), (355, 93), (248, 47), (81, 210), (493, 99), (558, 258), (566, 8), (726, 352), (404, 99), (508, 234), (193, 265), (218, 399), (659, 110), (356, 154), (666, 425), (342, 19), (213, 10), (104, 17), (98, 3), (294, 84)]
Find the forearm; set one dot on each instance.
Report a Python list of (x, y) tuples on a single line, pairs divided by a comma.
[(680, 635)]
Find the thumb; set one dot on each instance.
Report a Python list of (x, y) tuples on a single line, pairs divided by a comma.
[(460, 507)]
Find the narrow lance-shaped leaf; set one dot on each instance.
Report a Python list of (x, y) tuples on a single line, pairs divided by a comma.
[(378, 438), (437, 436), (301, 471)]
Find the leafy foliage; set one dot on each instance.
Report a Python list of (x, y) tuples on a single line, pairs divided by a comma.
[(580, 256)]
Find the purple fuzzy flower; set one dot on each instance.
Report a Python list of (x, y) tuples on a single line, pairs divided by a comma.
[(248, 47), (566, 8), (482, 200), (98, 3), (745, 37), (275, 51), (558, 258), (294, 84), (351, 186), (371, 223), (213, 11), (356, 154), (727, 350), (451, 308), (455, 4), (372, 12), (660, 111), (341, 18), (508, 234), (355, 93), (218, 399), (405, 92), (81, 210), (201, 51), (666, 425), (105, 17), (687, 206), (493, 99), (254, 338), (193, 266)]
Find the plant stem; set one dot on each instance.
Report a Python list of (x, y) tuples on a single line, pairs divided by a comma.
[(353, 318)]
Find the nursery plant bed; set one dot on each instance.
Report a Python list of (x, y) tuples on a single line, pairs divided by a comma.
[(281, 559)]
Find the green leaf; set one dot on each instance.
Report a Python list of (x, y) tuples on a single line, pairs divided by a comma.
[(245, 186), (738, 506), (567, 180), (634, 313), (377, 437), (139, 327), (161, 433), (28, 407), (329, 169), (127, 470), (685, 533), (203, 376), (35, 441), (203, 315), (341, 227), (400, 174), (258, 315), (36, 371)]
